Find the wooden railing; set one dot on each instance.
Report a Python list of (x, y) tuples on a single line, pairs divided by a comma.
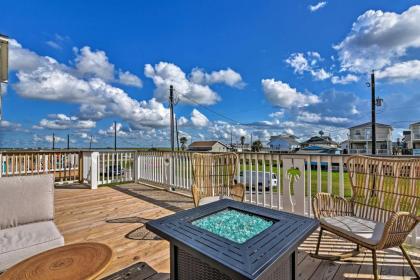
[(65, 165)]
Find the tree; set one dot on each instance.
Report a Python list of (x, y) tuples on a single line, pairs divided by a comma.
[(256, 146), (183, 140), (242, 141)]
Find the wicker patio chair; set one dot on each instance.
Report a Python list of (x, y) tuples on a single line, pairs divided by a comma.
[(214, 178), (382, 211)]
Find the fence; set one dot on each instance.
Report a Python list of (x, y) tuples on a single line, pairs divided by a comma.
[(278, 181), (65, 165)]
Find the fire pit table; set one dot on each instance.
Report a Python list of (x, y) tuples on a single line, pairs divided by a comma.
[(233, 240)]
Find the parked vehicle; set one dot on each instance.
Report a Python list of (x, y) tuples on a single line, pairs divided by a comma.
[(245, 178)]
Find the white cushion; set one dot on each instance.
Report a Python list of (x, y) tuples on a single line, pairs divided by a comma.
[(21, 242), (26, 199), (210, 199), (366, 230)]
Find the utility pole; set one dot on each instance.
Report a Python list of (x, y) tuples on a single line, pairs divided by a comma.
[(177, 133), (373, 108), (53, 142), (171, 107), (115, 135), (90, 143), (68, 141)]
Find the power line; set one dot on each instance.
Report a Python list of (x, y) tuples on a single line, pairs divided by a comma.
[(209, 109)]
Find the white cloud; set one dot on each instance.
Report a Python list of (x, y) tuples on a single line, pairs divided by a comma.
[(129, 79), (198, 119), (343, 80), (194, 89), (320, 74), (110, 131), (44, 78), (182, 121), (298, 62), (22, 59), (94, 64), (223, 131), (337, 120), (309, 63), (49, 138), (401, 72), (278, 114), (308, 117), (282, 95), (62, 121), (228, 77), (378, 38), (53, 45), (320, 5), (9, 126)]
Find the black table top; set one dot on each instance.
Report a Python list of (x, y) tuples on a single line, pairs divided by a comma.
[(249, 259)]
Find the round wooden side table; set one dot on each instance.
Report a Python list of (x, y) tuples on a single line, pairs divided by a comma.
[(73, 262)]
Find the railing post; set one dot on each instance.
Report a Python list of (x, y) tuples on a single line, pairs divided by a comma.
[(94, 171), (136, 166), (1, 165)]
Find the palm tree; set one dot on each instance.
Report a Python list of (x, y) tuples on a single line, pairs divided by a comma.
[(242, 141), (183, 140), (256, 146)]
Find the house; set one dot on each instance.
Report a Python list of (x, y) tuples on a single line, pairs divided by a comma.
[(360, 139), (208, 146), (413, 141), (344, 146), (320, 140), (283, 143)]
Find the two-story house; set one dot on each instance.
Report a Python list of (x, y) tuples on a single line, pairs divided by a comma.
[(360, 139), (413, 141)]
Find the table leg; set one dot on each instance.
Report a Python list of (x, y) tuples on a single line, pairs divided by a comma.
[(173, 260)]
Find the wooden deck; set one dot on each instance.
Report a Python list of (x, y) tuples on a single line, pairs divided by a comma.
[(115, 216)]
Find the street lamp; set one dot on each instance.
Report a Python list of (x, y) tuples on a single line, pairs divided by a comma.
[(4, 65)]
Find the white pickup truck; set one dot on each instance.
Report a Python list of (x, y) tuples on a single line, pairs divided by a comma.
[(250, 178)]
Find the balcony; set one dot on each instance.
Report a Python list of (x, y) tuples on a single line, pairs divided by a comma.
[(368, 151), (379, 137), (416, 136), (107, 197)]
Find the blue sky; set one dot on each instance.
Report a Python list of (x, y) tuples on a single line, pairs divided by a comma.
[(240, 67)]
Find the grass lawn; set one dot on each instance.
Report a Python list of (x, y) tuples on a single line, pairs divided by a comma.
[(324, 180)]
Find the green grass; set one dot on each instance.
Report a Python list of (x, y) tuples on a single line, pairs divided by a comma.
[(314, 180)]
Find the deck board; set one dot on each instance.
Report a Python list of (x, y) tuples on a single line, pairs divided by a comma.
[(97, 215)]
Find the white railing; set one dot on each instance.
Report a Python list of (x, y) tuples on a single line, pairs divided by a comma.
[(365, 151), (108, 167), (65, 165), (379, 137), (278, 181), (273, 186)]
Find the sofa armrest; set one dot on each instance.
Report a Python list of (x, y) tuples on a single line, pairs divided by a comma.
[(328, 205)]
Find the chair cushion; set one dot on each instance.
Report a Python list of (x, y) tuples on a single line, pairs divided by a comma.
[(26, 199), (366, 230), (21, 242), (210, 199)]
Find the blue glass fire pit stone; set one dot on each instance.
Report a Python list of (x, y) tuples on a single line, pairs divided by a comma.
[(234, 225)]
